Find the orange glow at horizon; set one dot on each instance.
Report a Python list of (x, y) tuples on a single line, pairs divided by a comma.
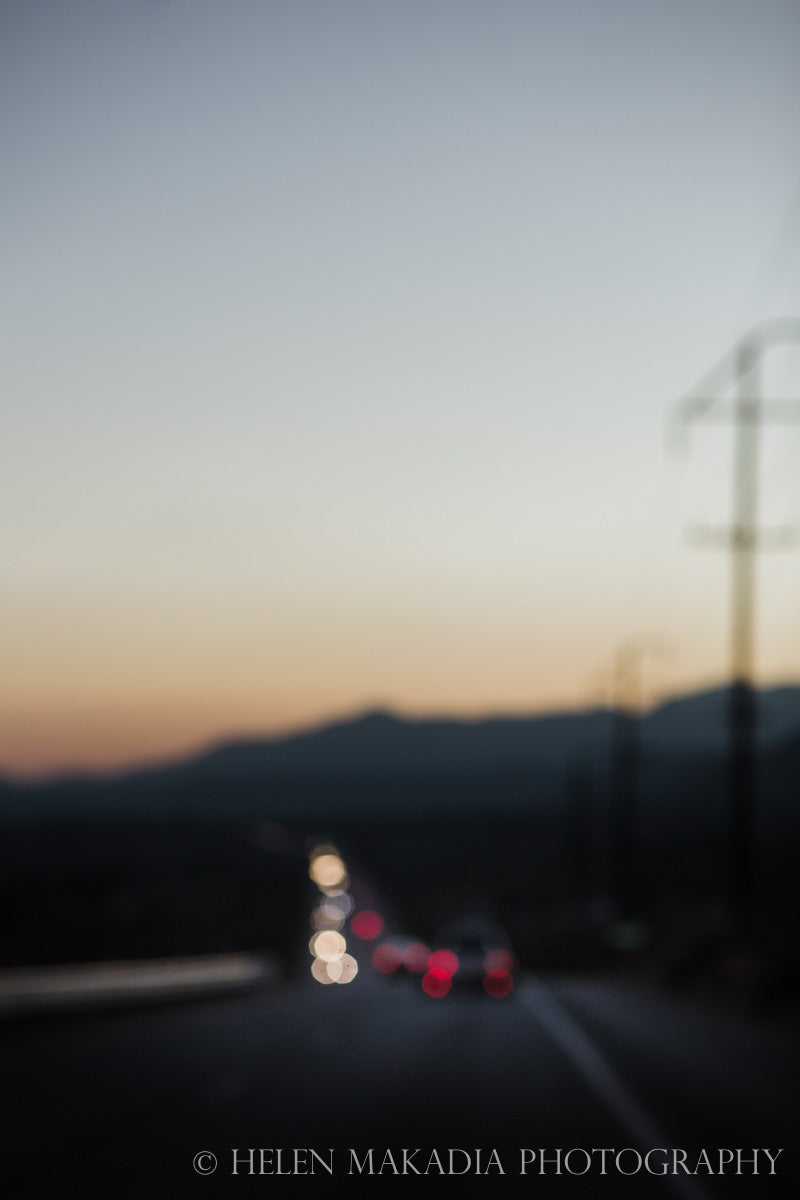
[(91, 736), (110, 684)]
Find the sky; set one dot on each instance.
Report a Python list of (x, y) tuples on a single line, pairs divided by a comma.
[(341, 340)]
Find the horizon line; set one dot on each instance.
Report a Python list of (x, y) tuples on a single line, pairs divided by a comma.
[(81, 772)]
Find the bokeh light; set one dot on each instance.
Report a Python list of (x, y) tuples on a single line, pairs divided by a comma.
[(386, 958), (367, 924), (323, 919), (436, 983), (498, 983), (327, 870), (331, 912), (415, 958), (319, 970), (443, 960), (344, 969), (338, 901), (327, 945)]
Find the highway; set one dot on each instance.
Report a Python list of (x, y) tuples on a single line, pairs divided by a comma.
[(574, 1080)]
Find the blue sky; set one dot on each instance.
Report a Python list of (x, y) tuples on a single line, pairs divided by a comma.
[(340, 342)]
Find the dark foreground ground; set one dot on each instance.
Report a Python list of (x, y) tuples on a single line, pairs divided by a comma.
[(121, 1103)]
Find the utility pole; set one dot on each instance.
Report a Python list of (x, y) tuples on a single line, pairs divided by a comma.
[(741, 369), (579, 841), (623, 825)]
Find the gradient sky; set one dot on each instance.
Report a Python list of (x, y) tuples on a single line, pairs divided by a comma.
[(339, 342)]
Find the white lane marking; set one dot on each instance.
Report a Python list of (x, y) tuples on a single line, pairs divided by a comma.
[(587, 1059)]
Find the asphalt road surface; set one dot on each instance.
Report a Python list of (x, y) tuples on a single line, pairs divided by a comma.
[(121, 1104)]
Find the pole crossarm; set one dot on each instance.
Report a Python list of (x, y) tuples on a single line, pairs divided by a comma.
[(705, 401), (726, 537), (728, 372), (712, 409)]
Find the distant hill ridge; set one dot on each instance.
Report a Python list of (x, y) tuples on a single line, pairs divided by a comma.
[(522, 755), (381, 739)]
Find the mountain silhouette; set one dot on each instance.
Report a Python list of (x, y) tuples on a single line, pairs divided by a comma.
[(379, 761)]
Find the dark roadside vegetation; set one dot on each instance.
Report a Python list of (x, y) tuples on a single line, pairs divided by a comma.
[(510, 819)]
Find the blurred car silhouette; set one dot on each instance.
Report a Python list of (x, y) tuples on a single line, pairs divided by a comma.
[(470, 955)]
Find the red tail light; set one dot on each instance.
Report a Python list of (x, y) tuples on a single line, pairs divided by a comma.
[(443, 960), (436, 982), (386, 958), (415, 958), (498, 983), (367, 924)]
